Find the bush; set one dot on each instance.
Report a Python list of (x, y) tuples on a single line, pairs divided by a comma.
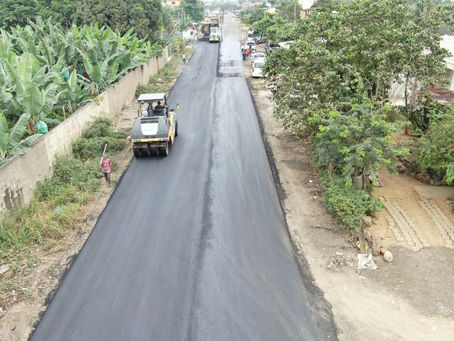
[(144, 89), (102, 127), (435, 150), (155, 50), (347, 203), (358, 142), (177, 45), (93, 140), (426, 112), (86, 149), (70, 177)]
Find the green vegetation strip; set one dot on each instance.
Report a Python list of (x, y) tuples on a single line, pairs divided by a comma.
[(56, 205), (161, 81)]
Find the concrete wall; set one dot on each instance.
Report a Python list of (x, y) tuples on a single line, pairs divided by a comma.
[(19, 176)]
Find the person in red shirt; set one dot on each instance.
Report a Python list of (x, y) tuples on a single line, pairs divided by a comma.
[(105, 165)]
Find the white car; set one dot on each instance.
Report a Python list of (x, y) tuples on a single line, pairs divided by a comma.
[(257, 66), (251, 45), (257, 55)]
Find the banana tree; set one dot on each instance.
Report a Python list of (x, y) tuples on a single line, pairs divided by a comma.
[(11, 142), (55, 43), (106, 61), (33, 89), (33, 57), (75, 93)]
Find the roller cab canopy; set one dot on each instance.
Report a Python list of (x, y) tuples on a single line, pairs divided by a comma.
[(161, 96)]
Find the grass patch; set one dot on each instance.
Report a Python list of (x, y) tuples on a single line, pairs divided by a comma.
[(56, 206), (161, 81), (91, 144)]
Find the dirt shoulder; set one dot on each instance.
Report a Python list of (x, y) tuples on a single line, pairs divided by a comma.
[(408, 299)]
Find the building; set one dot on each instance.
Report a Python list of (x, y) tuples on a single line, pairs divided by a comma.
[(443, 94), (170, 3), (448, 43)]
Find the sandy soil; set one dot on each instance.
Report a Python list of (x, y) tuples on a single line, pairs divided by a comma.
[(408, 299)]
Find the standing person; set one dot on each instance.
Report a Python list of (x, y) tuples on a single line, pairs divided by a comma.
[(105, 165), (184, 58)]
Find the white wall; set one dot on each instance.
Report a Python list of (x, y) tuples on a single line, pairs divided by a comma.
[(19, 176)]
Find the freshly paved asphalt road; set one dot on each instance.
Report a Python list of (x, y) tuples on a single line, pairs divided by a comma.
[(193, 246)]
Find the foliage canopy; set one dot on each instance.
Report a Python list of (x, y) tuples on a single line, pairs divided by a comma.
[(349, 52)]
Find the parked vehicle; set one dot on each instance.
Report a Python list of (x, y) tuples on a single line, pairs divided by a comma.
[(250, 44), (257, 66), (156, 127), (260, 39), (257, 55), (270, 47)]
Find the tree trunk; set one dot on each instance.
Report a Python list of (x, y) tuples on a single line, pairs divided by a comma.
[(362, 239), (406, 91), (331, 170), (414, 92), (32, 126)]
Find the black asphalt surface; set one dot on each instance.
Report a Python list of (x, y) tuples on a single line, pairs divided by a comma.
[(193, 246)]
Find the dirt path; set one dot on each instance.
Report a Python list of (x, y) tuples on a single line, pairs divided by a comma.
[(408, 299)]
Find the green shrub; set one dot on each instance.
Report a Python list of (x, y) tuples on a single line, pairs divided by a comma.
[(93, 140), (347, 203), (70, 176), (177, 45), (102, 127), (425, 112), (357, 142), (144, 89), (435, 150), (393, 114), (155, 50), (86, 149)]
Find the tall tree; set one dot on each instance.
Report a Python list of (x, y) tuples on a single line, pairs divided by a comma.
[(194, 9), (17, 12), (144, 15), (61, 11), (352, 51), (20, 12)]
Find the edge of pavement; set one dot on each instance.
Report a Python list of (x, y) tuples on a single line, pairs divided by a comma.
[(318, 301), (19, 320), (361, 307)]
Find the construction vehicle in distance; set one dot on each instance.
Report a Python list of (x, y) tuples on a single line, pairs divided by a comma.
[(156, 128), (205, 30), (210, 30), (215, 30)]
